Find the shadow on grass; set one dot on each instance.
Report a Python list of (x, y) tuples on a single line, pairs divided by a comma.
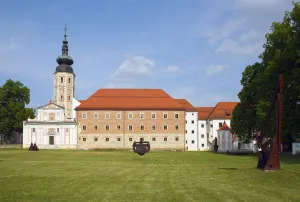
[(228, 168), (288, 158), (285, 157)]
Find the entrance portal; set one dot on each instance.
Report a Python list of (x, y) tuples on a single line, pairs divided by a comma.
[(51, 140)]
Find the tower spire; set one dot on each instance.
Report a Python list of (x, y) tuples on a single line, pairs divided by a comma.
[(64, 58), (65, 48), (65, 32)]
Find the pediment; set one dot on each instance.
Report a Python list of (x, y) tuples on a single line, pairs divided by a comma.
[(51, 106)]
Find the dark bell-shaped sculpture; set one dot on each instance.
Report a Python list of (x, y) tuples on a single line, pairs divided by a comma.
[(141, 147)]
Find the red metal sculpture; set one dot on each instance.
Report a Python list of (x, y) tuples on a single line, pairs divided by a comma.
[(269, 157)]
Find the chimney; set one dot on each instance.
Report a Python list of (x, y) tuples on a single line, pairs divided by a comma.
[(50, 102)]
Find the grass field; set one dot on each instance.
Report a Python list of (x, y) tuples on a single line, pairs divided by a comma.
[(158, 176)]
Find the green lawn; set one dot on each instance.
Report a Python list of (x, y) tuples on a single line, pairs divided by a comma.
[(158, 176)]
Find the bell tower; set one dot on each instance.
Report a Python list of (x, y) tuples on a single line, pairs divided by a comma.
[(64, 80)]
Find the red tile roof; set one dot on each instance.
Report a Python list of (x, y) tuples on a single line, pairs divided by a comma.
[(188, 106), (224, 127), (223, 110), (81, 101), (130, 99), (204, 112)]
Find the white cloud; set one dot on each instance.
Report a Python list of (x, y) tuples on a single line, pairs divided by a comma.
[(8, 46), (237, 48), (259, 4), (243, 33), (134, 68), (172, 68), (225, 30), (109, 85), (215, 69)]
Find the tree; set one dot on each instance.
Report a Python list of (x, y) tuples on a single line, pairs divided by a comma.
[(14, 96), (281, 55)]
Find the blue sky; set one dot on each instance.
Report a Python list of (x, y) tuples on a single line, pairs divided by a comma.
[(193, 49)]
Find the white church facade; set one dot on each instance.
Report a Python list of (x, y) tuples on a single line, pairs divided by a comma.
[(54, 126), (50, 129)]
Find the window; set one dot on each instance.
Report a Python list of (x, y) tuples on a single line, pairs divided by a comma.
[(193, 141), (95, 127), (228, 112), (83, 116), (192, 114), (153, 127), (211, 125), (130, 127), (142, 127), (61, 97), (176, 116), (142, 139), (118, 139), (130, 139), (61, 79), (193, 131), (185, 121), (192, 121), (84, 139), (202, 136), (95, 139), (107, 127), (130, 115), (153, 116), (33, 130), (220, 124), (186, 131), (118, 127), (107, 116), (165, 115), (118, 115), (58, 130), (84, 127), (202, 145), (69, 97), (165, 139), (176, 127), (142, 115), (202, 125), (165, 127), (176, 139), (95, 115), (107, 139), (153, 139)]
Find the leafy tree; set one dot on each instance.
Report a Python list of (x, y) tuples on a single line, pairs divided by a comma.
[(281, 55), (14, 96)]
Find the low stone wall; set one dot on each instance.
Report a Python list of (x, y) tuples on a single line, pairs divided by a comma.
[(14, 146)]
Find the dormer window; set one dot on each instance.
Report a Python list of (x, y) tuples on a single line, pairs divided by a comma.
[(227, 112)]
